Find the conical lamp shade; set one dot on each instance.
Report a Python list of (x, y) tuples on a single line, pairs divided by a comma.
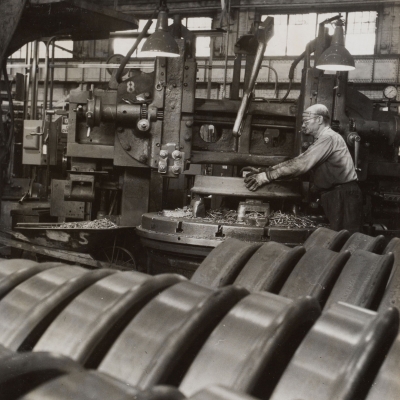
[(160, 43), (336, 57)]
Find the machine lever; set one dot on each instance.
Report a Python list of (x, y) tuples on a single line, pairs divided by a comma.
[(354, 139), (37, 132), (21, 200), (357, 152), (265, 32)]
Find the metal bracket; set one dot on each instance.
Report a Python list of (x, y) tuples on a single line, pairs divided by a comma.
[(171, 161), (80, 188)]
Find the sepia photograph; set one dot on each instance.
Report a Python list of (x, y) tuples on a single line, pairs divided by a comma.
[(199, 200)]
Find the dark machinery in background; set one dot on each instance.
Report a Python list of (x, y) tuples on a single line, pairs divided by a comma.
[(151, 133), (125, 144), (25, 21), (38, 142), (158, 123)]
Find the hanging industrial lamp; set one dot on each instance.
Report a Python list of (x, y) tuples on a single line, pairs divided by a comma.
[(336, 57), (161, 43)]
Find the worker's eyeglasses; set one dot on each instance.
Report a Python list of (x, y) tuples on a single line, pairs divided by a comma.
[(305, 121)]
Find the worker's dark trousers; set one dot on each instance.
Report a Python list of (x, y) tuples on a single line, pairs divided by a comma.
[(343, 206)]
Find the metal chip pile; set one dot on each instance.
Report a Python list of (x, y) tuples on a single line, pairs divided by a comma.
[(221, 216), (277, 218), (255, 215), (185, 212), (96, 224), (281, 219)]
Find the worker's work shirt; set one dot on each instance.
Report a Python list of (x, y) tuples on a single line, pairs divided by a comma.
[(328, 157)]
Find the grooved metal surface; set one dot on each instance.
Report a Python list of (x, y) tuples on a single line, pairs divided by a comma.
[(217, 392), (387, 383), (91, 322), (149, 330), (4, 351), (29, 308), (163, 338), (339, 355), (362, 280), (391, 297), (224, 263), (22, 372), (327, 238), (14, 272), (250, 347), (315, 274), (269, 267), (359, 241), (81, 385)]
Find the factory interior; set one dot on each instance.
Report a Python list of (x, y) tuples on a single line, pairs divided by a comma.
[(135, 263)]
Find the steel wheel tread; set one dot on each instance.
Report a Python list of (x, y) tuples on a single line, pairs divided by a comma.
[(22, 372), (315, 274), (165, 331), (28, 309), (339, 355), (269, 267), (97, 315), (217, 392), (363, 280), (387, 384), (391, 297), (359, 241), (224, 263), (14, 272), (252, 345), (327, 238), (81, 385)]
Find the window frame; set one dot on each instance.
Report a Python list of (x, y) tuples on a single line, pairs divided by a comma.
[(345, 16)]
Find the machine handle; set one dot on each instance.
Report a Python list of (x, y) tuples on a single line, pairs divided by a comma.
[(265, 32), (357, 152), (21, 200), (37, 132), (354, 139)]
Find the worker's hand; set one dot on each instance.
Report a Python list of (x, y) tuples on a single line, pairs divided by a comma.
[(249, 171), (253, 182)]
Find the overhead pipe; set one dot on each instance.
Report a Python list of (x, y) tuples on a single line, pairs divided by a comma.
[(46, 73), (27, 79), (310, 48), (118, 76), (34, 68), (226, 48), (51, 79)]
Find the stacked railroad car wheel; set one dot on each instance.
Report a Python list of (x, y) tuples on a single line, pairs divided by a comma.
[(262, 321)]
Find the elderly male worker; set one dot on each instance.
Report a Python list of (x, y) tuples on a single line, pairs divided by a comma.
[(334, 175)]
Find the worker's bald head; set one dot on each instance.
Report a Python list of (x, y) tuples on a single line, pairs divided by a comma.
[(318, 109)]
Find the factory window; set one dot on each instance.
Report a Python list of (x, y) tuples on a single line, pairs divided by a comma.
[(123, 45), (58, 51), (301, 29), (293, 32), (360, 37), (202, 42), (277, 44)]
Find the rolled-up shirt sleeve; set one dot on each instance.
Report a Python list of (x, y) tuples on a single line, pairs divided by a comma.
[(316, 154)]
